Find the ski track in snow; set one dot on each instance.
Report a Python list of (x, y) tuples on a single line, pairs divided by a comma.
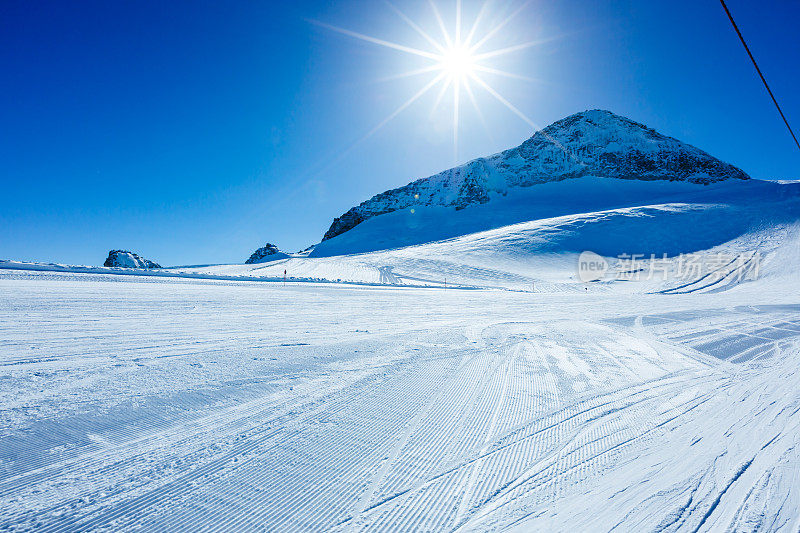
[(186, 405)]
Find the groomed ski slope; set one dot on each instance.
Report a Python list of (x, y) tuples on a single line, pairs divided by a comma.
[(178, 404)]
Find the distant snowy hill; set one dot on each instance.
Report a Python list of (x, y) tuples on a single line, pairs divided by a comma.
[(588, 144)]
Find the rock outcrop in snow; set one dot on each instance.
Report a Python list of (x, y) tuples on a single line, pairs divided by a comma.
[(127, 259), (591, 143), (268, 252)]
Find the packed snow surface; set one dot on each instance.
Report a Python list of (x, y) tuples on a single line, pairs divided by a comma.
[(531, 402)]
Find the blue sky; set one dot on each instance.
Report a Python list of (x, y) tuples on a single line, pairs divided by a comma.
[(193, 132)]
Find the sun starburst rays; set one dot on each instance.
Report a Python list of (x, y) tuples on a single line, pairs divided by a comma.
[(456, 61)]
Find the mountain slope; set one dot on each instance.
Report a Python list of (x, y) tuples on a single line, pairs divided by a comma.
[(591, 143), (746, 203)]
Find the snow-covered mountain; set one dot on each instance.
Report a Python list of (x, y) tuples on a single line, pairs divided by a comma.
[(592, 143)]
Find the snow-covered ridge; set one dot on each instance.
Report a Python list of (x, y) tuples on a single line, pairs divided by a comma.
[(591, 143)]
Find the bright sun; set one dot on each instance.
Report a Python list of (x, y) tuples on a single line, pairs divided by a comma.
[(457, 60)]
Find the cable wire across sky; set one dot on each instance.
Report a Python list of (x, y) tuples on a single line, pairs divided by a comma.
[(747, 48)]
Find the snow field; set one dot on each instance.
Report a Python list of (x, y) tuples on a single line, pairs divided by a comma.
[(169, 404)]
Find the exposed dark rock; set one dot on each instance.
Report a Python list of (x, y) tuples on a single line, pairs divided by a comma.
[(127, 259), (268, 252)]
